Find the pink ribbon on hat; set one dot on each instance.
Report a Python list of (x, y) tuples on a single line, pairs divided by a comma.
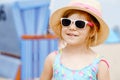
[(90, 8)]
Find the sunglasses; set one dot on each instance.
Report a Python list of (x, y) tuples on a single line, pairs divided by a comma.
[(78, 23)]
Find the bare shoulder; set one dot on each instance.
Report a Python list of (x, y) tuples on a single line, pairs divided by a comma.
[(103, 70), (51, 57), (48, 68), (104, 63)]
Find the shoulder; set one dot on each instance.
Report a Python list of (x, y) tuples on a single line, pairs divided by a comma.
[(103, 70), (103, 63), (51, 57), (48, 63), (48, 68)]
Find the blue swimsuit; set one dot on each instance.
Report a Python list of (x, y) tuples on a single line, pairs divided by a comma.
[(60, 72)]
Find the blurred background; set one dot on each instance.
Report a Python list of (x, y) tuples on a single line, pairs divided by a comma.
[(25, 37)]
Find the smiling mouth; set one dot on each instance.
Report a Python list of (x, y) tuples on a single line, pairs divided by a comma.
[(69, 34)]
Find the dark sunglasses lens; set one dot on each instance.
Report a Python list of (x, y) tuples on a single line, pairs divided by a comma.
[(80, 24), (66, 22)]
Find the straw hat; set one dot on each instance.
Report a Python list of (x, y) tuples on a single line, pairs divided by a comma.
[(92, 7)]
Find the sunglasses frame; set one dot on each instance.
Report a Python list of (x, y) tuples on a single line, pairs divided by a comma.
[(74, 21)]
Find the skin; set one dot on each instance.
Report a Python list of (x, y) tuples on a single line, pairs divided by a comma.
[(75, 51)]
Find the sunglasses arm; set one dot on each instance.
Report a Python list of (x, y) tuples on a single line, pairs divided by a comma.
[(90, 24)]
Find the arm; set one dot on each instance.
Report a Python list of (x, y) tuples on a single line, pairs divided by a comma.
[(48, 70), (103, 71)]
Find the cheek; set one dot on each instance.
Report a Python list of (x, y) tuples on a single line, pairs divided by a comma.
[(84, 33), (63, 30)]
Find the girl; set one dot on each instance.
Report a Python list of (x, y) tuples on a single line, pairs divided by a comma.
[(79, 26)]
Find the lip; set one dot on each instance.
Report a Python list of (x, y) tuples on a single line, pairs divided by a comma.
[(71, 34)]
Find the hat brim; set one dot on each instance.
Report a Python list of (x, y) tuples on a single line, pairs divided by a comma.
[(102, 34)]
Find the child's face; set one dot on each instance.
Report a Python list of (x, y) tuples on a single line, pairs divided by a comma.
[(74, 35)]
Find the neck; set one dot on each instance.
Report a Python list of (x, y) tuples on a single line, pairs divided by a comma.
[(76, 49)]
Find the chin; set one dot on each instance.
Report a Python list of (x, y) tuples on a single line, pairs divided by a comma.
[(73, 43)]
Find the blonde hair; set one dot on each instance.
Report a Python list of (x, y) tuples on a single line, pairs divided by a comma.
[(93, 38)]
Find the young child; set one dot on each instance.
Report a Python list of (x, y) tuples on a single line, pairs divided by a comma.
[(79, 27)]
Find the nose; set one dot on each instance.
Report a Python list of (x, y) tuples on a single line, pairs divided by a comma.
[(72, 26)]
